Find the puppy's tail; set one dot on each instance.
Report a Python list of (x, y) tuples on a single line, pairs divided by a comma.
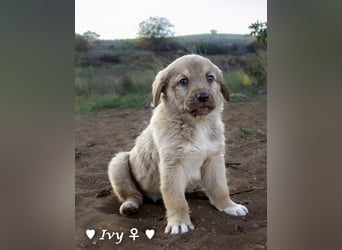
[(123, 184)]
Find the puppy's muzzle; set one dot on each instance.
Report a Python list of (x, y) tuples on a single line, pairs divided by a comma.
[(202, 97), (200, 102)]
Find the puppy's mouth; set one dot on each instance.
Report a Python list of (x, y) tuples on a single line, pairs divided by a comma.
[(200, 109)]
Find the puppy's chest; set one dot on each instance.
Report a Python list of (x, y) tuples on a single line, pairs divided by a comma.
[(200, 144), (202, 141)]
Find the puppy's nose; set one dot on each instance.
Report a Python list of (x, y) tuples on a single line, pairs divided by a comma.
[(202, 96)]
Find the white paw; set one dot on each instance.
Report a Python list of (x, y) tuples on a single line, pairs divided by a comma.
[(129, 207), (236, 210), (176, 229)]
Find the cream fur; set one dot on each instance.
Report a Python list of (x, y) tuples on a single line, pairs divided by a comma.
[(182, 147)]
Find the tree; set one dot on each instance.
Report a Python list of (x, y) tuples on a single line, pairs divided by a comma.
[(155, 34), (213, 32), (81, 44), (90, 35), (156, 27), (259, 30)]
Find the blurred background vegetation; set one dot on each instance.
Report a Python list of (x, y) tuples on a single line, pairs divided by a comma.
[(119, 73)]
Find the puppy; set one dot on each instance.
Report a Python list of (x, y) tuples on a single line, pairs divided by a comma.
[(182, 148)]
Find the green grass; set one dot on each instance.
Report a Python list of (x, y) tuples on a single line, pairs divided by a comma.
[(94, 103), (128, 83), (99, 88), (243, 87), (245, 132)]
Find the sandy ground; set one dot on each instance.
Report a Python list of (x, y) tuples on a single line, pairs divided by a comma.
[(99, 136)]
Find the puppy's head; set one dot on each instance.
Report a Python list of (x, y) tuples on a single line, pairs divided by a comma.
[(191, 84)]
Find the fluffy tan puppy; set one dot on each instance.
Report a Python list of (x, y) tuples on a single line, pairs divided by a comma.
[(182, 148)]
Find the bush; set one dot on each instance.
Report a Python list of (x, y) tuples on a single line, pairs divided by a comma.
[(242, 87), (252, 46), (127, 84), (159, 44), (237, 80), (81, 44), (107, 58), (212, 48), (255, 66)]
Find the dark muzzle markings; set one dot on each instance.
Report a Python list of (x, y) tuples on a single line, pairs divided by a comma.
[(202, 97)]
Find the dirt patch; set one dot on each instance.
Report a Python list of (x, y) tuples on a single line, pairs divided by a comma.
[(99, 136)]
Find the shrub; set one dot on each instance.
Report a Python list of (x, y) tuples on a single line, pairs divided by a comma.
[(81, 44), (212, 48), (255, 66), (159, 44), (252, 46), (127, 84), (237, 80), (242, 87), (107, 58)]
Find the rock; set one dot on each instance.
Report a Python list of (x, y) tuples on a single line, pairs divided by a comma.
[(255, 225)]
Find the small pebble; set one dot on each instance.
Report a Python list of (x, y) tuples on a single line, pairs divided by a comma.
[(260, 246), (255, 225)]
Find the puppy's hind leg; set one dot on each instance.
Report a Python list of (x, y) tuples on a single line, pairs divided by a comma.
[(123, 184)]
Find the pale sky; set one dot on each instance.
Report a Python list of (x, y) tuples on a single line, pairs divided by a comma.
[(119, 19)]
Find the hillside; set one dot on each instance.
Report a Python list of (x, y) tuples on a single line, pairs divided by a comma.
[(219, 39), (206, 44), (119, 73)]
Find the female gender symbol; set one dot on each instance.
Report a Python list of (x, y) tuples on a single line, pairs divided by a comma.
[(134, 233)]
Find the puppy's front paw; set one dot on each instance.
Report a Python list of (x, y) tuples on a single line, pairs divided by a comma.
[(236, 210), (129, 207), (176, 228)]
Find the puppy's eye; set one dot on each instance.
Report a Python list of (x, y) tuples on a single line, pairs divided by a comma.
[(184, 81), (210, 78)]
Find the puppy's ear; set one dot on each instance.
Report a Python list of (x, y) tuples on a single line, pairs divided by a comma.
[(225, 91), (158, 86), (220, 80)]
